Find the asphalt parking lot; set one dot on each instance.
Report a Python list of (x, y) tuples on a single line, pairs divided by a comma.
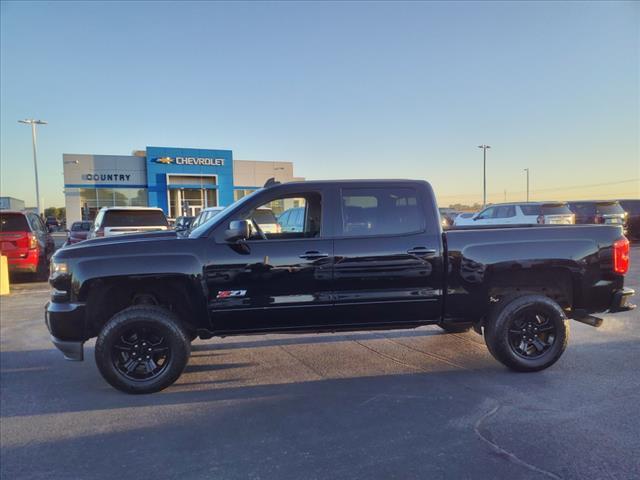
[(399, 404)]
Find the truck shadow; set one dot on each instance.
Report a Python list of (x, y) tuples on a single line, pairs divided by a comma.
[(52, 385)]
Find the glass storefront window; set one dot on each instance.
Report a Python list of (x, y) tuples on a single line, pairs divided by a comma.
[(93, 199), (239, 193)]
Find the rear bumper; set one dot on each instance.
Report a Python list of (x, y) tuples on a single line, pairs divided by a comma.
[(23, 261), (621, 300), (65, 322)]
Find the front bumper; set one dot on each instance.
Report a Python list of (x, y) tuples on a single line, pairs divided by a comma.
[(65, 322), (621, 301)]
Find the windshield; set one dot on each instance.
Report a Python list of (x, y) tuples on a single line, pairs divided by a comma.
[(204, 227), (81, 227)]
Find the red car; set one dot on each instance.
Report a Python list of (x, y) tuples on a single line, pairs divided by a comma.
[(26, 242)]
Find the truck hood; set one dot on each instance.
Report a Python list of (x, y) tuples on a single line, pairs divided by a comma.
[(86, 246)]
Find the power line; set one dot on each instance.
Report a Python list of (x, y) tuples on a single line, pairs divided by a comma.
[(553, 189)]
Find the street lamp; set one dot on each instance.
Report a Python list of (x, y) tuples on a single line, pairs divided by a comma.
[(33, 123), (484, 173), (527, 170)]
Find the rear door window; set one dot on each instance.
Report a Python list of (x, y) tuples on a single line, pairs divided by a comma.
[(505, 211), (134, 218), (13, 222), (380, 211)]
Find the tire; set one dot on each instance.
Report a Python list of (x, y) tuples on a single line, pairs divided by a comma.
[(527, 332), (126, 339), (42, 270), (455, 328)]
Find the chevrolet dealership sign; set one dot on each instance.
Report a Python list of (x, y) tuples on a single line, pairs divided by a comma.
[(197, 161)]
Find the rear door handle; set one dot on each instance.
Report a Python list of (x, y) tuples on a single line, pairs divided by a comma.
[(421, 251), (313, 255)]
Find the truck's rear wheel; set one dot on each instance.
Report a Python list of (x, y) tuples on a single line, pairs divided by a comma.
[(142, 349), (527, 332)]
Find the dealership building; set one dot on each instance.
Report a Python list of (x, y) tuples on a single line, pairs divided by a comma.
[(181, 181)]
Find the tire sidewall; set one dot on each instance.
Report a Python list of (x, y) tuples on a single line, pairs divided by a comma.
[(166, 324), (497, 332)]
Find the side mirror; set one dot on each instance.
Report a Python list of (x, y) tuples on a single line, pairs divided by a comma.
[(238, 230)]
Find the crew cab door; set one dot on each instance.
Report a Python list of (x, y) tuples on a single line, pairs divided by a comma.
[(275, 279), (388, 255)]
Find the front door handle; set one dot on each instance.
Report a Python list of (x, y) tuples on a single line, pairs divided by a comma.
[(421, 251), (313, 255)]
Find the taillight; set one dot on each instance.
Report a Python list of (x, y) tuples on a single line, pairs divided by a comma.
[(278, 228), (599, 219), (33, 241), (621, 256), (541, 219)]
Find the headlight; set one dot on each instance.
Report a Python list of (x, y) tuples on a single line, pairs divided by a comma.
[(58, 268)]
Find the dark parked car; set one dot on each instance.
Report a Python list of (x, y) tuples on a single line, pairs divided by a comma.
[(52, 224), (26, 242), (608, 212), (632, 208), (79, 232), (370, 255)]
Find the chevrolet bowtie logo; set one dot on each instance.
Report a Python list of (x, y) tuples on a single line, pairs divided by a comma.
[(165, 160)]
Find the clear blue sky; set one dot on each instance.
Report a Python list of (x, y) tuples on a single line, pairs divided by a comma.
[(344, 90)]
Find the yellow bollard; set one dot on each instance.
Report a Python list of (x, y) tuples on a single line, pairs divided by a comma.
[(4, 276)]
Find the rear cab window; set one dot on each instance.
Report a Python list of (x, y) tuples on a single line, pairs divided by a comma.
[(13, 222), (134, 218), (380, 211)]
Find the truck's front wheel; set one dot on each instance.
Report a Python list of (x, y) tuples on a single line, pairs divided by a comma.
[(527, 332), (142, 349)]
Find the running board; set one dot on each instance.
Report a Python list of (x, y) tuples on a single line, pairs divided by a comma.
[(588, 320)]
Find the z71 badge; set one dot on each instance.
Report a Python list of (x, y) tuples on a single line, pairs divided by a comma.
[(231, 293)]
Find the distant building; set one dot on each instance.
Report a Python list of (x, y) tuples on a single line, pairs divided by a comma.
[(181, 181), (10, 203)]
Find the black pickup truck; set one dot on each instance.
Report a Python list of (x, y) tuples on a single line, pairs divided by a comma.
[(345, 255)]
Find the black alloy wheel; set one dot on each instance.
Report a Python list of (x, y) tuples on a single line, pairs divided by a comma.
[(531, 334), (141, 353)]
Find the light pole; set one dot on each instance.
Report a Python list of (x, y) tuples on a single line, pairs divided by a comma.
[(484, 173), (33, 123), (527, 170)]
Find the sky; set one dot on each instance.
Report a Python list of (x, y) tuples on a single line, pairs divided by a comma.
[(343, 90)]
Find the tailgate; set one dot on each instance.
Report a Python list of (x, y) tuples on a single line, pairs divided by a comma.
[(13, 242)]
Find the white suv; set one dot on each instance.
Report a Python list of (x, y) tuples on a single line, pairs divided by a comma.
[(557, 213), (122, 220)]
